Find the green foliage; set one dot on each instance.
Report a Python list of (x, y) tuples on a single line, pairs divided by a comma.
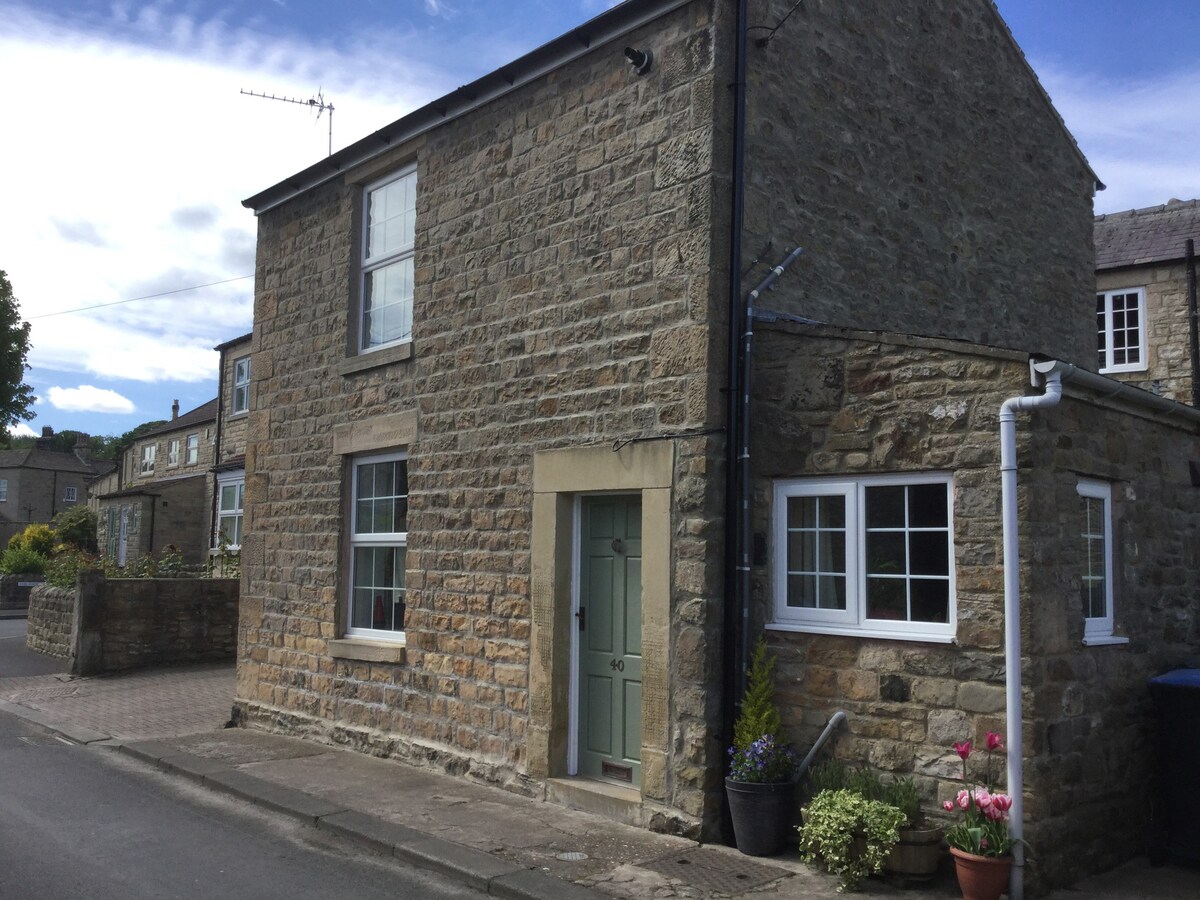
[(21, 560), (16, 397), (76, 527), (64, 566), (832, 821), (119, 445), (902, 793), (866, 783), (830, 775), (36, 537), (758, 716), (227, 563)]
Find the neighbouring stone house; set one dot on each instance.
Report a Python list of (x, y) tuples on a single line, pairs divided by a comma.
[(39, 482), (161, 493), (229, 465), (1145, 310), (490, 498)]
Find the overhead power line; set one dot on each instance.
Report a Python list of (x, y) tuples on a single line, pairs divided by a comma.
[(195, 287)]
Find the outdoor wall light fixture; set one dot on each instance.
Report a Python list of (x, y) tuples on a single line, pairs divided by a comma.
[(639, 59)]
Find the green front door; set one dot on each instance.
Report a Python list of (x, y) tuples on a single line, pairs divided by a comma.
[(610, 663)]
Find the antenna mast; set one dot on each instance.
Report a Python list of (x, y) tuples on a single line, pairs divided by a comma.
[(318, 103)]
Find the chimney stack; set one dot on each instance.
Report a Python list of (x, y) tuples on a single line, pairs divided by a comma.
[(174, 410), (83, 448), (46, 440)]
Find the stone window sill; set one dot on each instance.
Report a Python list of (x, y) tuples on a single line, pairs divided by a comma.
[(1105, 640), (368, 651), (373, 359)]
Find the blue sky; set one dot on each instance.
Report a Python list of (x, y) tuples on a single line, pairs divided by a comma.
[(135, 149)]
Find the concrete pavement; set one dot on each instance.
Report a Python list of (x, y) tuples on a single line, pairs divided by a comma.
[(491, 839)]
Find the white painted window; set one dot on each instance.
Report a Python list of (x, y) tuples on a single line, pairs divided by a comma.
[(870, 556), (148, 452), (389, 227), (231, 493), (1121, 330), (192, 451), (1096, 567), (69, 495), (241, 385), (3, 490), (173, 452), (378, 544)]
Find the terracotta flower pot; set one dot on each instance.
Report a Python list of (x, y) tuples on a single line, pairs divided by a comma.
[(981, 877)]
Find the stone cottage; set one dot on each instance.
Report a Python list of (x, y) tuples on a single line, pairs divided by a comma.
[(229, 463), (493, 464), (1146, 298)]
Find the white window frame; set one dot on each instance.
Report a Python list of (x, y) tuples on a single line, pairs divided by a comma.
[(853, 619), (3, 490), (1104, 328), (382, 539), (1098, 630), (241, 386), (149, 452), (369, 264), (192, 449), (173, 452), (70, 494), (235, 480)]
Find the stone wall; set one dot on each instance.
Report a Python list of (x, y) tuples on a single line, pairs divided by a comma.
[(1169, 362), (48, 625), (840, 403), (14, 590), (909, 149), (565, 280)]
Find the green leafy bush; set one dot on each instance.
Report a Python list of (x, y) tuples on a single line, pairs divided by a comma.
[(834, 819), (63, 568), (76, 527), (38, 538), (20, 560)]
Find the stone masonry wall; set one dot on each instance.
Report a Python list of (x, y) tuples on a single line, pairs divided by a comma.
[(838, 403), (14, 590), (909, 150), (51, 611), (563, 291), (1169, 363)]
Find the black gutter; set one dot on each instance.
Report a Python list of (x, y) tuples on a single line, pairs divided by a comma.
[(733, 638), (1193, 321)]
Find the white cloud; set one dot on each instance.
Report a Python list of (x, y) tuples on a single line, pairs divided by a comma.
[(22, 430), (87, 398)]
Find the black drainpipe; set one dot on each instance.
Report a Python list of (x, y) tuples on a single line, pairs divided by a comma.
[(735, 663), (1193, 321)]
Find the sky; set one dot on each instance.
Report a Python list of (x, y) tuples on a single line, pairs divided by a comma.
[(126, 148)]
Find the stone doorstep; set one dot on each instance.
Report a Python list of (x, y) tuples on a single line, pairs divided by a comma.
[(476, 868)]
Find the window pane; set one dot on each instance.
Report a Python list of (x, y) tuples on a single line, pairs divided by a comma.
[(930, 600), (927, 506), (929, 553), (802, 591), (802, 551), (802, 512), (831, 551), (387, 304), (885, 506), (885, 599), (885, 553), (833, 592)]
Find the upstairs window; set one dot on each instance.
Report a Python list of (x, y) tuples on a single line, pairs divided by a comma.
[(148, 453), (69, 495), (192, 450), (378, 546), (389, 226), (241, 385), (3, 490), (1121, 330), (173, 452), (872, 556)]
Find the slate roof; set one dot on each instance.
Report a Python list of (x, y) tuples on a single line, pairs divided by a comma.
[(1142, 236), (197, 416), (53, 461)]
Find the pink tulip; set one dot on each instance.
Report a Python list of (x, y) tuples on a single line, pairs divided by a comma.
[(983, 799), (964, 800), (994, 814), (948, 805), (1002, 802), (994, 741), (962, 748)]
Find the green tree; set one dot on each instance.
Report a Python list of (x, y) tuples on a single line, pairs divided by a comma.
[(16, 397), (759, 714)]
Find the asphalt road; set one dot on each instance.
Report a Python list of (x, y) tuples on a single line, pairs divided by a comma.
[(16, 660), (83, 822)]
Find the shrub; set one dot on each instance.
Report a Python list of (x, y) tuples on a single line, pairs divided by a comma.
[(63, 568), (38, 538), (77, 527), (759, 715), (832, 822), (18, 559)]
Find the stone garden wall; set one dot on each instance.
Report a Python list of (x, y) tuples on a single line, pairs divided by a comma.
[(14, 591), (49, 622)]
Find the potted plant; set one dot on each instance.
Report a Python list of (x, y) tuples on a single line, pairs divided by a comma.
[(979, 841), (918, 849), (849, 834), (761, 787)]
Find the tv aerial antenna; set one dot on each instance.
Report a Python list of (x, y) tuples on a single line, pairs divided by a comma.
[(318, 103)]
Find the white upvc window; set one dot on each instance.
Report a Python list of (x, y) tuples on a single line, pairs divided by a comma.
[(389, 228), (1121, 330), (1096, 567), (378, 545), (231, 489), (241, 385), (192, 449), (173, 452), (871, 556), (69, 495), (148, 453), (3, 490)]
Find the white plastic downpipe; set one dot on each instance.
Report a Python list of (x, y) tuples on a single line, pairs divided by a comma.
[(1012, 606)]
